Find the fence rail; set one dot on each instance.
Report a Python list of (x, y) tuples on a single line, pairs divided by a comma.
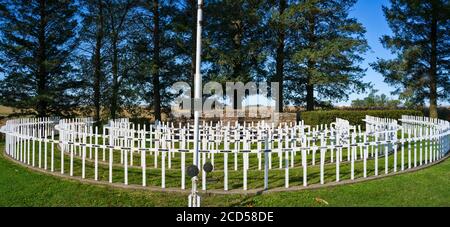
[(255, 155)]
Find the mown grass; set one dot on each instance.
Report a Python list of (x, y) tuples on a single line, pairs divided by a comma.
[(23, 187)]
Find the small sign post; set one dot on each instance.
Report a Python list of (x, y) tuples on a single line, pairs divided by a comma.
[(193, 198)]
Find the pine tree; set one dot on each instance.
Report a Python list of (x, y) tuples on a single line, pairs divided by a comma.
[(156, 66), (234, 41), (118, 13), (37, 40), (93, 48), (185, 27), (280, 50), (280, 35), (156, 47), (421, 41), (328, 47)]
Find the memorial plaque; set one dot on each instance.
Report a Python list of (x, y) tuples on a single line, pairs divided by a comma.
[(192, 171), (208, 167)]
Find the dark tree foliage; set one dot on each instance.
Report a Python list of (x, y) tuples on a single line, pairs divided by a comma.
[(184, 25), (421, 41), (92, 55), (374, 101), (279, 24), (234, 41), (118, 14), (281, 36), (37, 40), (156, 44), (134, 56)]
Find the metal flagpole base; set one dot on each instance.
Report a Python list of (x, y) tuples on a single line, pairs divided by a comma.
[(194, 198)]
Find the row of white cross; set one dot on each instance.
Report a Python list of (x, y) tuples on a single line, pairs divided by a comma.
[(421, 140)]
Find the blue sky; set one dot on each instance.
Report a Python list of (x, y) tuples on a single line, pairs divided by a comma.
[(370, 14)]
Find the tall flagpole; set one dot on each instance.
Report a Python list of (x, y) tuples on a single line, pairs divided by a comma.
[(194, 198), (198, 83)]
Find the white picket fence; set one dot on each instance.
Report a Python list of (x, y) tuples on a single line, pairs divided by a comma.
[(416, 141)]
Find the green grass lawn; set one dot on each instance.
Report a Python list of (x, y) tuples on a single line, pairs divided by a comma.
[(22, 187)]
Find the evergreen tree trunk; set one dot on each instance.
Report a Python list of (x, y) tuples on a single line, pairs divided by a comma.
[(309, 95), (97, 64), (311, 64), (115, 85), (433, 64), (236, 100), (156, 63), (42, 72), (280, 56), (238, 68), (116, 28)]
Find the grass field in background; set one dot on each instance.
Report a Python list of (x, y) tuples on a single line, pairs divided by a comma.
[(20, 186), (5, 111)]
